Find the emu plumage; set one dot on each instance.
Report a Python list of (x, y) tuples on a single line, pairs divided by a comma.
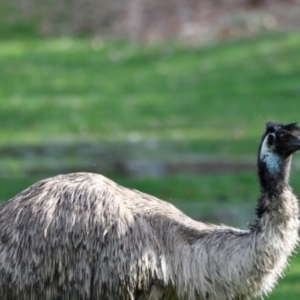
[(82, 236)]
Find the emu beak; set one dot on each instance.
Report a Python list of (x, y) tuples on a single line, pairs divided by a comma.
[(293, 144)]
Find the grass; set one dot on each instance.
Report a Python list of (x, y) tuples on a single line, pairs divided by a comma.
[(215, 99), (157, 102), (166, 100)]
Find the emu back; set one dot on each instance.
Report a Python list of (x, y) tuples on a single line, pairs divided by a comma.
[(76, 237)]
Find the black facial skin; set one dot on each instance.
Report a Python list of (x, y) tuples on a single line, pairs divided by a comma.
[(287, 138)]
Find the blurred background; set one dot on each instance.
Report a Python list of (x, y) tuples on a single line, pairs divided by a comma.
[(168, 97)]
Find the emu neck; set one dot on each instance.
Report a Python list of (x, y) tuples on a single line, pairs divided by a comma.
[(274, 175), (273, 172)]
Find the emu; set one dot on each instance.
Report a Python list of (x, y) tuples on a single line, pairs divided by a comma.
[(83, 237)]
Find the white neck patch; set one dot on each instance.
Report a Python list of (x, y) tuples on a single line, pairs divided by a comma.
[(271, 159)]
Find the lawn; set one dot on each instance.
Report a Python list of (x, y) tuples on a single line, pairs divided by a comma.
[(151, 103), (216, 99)]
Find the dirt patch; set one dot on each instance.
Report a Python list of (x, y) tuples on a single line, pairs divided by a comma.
[(151, 20), (109, 159), (200, 166)]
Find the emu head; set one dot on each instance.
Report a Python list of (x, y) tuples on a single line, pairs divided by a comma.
[(278, 143), (281, 139)]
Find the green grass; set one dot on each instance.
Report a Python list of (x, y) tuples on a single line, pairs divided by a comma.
[(158, 102), (166, 100), (213, 100)]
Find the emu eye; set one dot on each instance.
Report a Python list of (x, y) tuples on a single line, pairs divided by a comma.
[(283, 137)]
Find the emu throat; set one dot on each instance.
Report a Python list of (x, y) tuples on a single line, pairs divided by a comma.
[(272, 160), (273, 168)]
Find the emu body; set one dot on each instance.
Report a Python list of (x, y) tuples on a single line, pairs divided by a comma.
[(82, 236)]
